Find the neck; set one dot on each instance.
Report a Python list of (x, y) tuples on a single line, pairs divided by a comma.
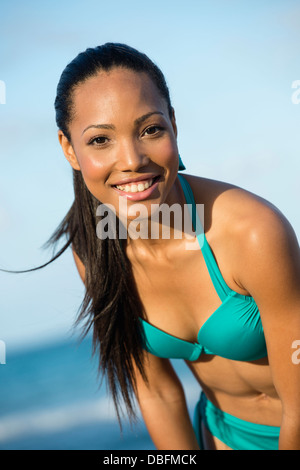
[(168, 223)]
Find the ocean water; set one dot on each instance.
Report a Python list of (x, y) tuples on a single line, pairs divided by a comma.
[(51, 399)]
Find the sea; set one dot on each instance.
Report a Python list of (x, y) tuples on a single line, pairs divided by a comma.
[(52, 398)]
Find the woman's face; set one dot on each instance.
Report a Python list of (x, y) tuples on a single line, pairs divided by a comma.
[(123, 140)]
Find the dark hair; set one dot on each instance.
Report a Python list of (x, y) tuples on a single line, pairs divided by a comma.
[(111, 305)]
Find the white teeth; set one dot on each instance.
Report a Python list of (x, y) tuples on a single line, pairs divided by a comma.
[(136, 188)]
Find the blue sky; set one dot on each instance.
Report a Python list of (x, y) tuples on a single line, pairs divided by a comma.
[(230, 66)]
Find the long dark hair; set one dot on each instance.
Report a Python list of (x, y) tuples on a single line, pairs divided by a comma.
[(111, 306)]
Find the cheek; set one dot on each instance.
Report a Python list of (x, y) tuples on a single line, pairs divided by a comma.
[(94, 174), (92, 170), (169, 156)]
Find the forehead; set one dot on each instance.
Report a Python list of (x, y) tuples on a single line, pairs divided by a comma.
[(116, 90)]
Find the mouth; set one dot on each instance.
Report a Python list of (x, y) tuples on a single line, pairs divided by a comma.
[(137, 186), (138, 190)]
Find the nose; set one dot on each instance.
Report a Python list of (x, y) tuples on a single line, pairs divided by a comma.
[(131, 158)]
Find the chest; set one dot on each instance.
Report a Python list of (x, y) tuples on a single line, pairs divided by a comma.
[(178, 294)]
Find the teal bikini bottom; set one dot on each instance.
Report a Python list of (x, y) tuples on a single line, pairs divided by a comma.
[(234, 432)]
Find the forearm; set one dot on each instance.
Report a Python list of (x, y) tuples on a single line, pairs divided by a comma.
[(289, 438), (168, 422)]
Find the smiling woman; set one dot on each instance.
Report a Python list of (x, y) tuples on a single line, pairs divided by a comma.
[(231, 309), (105, 95)]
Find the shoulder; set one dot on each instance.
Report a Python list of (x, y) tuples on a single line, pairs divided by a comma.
[(243, 214), (251, 232)]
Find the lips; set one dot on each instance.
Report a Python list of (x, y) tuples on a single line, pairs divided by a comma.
[(137, 179), (136, 184), (137, 188)]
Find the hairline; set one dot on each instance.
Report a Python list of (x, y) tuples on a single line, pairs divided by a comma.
[(107, 70)]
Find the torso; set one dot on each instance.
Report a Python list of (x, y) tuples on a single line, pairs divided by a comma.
[(178, 295)]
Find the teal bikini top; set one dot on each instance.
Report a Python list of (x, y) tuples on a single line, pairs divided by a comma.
[(234, 331)]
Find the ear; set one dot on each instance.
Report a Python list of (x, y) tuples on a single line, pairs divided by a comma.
[(173, 121), (68, 150)]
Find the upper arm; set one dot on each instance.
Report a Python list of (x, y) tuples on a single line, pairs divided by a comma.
[(79, 265), (162, 380), (272, 277)]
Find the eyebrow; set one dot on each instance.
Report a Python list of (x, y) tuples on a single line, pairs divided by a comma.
[(138, 121)]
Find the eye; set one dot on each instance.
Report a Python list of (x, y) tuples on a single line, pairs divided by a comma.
[(99, 140), (152, 130)]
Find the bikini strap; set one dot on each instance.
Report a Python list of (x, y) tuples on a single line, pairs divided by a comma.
[(217, 279)]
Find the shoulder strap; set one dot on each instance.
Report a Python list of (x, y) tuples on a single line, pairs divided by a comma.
[(217, 279)]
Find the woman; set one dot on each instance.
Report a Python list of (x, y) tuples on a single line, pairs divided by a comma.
[(230, 309)]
